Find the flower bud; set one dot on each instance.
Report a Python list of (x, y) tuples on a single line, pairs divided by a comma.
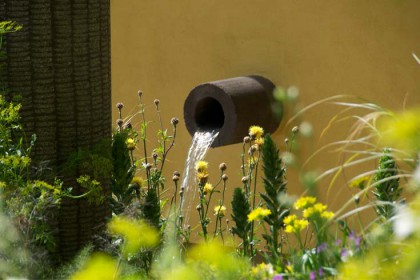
[(120, 105), (174, 121), (222, 166), (247, 139), (224, 177), (176, 173), (175, 178), (245, 179), (295, 129), (156, 101)]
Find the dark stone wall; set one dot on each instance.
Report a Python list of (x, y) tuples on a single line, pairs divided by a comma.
[(60, 64)]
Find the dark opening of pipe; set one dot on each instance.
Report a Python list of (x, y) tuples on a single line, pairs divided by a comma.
[(209, 114)]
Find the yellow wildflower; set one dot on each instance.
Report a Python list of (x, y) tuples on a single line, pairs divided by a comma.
[(317, 211), (360, 182), (201, 166), (256, 131), (258, 214), (327, 215), (137, 181), (99, 266), (136, 234), (304, 202), (208, 188), (259, 141), (202, 177), (294, 225), (401, 130), (131, 144), (219, 211), (263, 271)]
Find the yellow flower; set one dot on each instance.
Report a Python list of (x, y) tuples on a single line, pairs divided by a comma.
[(208, 188), (137, 181), (360, 182), (99, 266), (259, 141), (219, 211), (294, 225), (263, 271), (401, 130), (327, 215), (258, 214), (256, 131), (317, 211), (131, 144), (202, 177), (304, 202), (201, 166), (136, 234)]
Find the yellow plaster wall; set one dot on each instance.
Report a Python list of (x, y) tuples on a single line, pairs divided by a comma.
[(324, 47)]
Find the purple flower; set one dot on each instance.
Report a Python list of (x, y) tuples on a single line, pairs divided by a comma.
[(278, 277), (312, 275), (321, 247), (343, 253), (338, 242), (320, 272)]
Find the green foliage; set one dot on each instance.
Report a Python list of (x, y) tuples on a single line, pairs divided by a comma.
[(94, 190), (151, 208), (240, 212), (387, 186), (123, 170), (275, 187)]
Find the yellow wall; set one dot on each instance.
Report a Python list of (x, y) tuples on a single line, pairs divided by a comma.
[(324, 48)]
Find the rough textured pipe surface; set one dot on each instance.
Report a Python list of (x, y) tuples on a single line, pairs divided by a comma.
[(231, 106)]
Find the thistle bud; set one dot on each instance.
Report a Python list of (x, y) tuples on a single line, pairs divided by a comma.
[(174, 121), (224, 177), (120, 106), (245, 179), (222, 166), (156, 101), (120, 122), (154, 155)]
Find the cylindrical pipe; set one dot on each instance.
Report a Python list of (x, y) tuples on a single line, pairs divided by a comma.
[(231, 106)]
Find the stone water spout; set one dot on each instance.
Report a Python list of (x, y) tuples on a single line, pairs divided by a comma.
[(231, 106)]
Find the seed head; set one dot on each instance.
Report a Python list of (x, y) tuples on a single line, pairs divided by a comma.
[(224, 177), (174, 121), (120, 106), (149, 166), (176, 173), (175, 178), (155, 155), (156, 101), (222, 166), (245, 179), (120, 122), (247, 139), (139, 93), (295, 129)]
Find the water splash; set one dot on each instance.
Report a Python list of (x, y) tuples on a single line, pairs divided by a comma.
[(200, 143)]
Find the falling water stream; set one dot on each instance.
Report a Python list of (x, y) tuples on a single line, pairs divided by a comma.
[(200, 143)]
